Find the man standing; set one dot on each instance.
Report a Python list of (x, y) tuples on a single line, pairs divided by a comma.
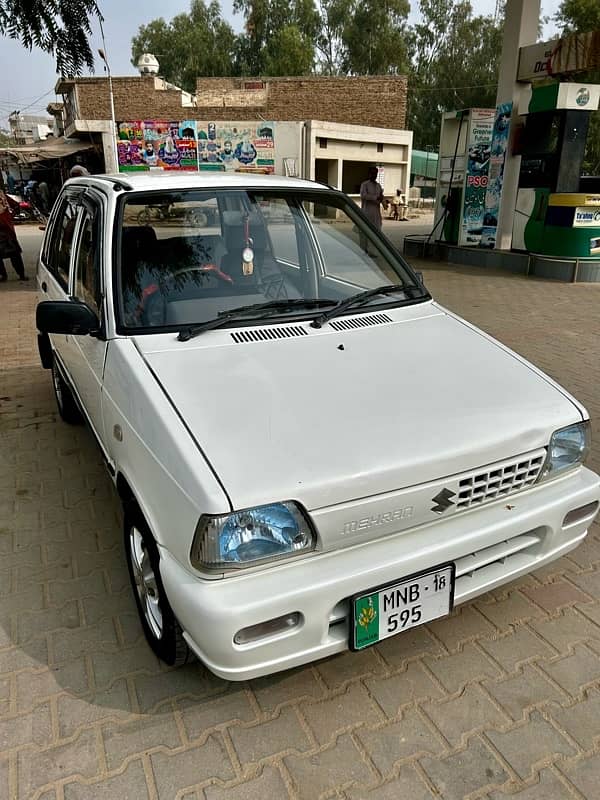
[(371, 197), (9, 245)]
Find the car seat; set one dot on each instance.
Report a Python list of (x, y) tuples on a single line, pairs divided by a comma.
[(266, 276)]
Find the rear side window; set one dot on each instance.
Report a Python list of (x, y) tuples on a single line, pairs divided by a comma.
[(59, 252)]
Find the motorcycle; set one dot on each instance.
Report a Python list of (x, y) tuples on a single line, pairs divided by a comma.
[(23, 210)]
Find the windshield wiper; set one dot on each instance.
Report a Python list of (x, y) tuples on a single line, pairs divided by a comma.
[(361, 298), (223, 317)]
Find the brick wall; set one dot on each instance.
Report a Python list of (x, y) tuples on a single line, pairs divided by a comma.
[(373, 100), (379, 101), (135, 98)]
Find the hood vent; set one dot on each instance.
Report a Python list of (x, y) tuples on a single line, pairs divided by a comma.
[(359, 322), (267, 334)]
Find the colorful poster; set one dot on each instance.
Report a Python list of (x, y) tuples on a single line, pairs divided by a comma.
[(493, 193), (193, 145), (478, 161)]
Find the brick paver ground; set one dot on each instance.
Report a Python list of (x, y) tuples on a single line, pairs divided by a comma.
[(501, 699)]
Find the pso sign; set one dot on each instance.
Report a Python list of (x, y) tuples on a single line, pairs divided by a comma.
[(477, 181)]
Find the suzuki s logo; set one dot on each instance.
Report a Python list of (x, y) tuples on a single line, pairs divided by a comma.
[(442, 501)]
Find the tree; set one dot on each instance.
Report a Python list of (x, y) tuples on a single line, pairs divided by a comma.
[(578, 16), (454, 64), (362, 37), (375, 36), (190, 45), (330, 44), (59, 27), (582, 16), (279, 38)]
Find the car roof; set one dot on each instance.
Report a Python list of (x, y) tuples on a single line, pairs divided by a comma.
[(149, 181)]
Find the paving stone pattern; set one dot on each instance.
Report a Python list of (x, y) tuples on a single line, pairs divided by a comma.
[(500, 700)]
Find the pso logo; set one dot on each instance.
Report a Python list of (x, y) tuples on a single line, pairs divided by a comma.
[(583, 97)]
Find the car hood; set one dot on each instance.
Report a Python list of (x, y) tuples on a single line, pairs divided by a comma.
[(328, 416)]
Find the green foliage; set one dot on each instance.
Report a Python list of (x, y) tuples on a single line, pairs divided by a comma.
[(59, 27), (578, 16), (454, 58), (582, 16), (363, 37), (374, 36), (5, 138), (190, 45), (279, 38)]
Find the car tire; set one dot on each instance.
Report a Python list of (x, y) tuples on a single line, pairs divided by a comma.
[(163, 632), (67, 407)]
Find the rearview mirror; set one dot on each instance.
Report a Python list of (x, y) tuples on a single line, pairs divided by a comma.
[(66, 316)]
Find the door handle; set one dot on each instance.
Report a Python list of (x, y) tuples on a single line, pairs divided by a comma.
[(44, 286)]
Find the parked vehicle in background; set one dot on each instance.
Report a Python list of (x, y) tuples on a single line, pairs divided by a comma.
[(24, 210), (312, 454)]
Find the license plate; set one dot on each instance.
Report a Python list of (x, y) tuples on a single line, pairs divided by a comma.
[(396, 607)]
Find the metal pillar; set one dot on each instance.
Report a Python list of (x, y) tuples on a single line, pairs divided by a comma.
[(520, 29)]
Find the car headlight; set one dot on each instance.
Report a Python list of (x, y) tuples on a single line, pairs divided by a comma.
[(568, 447), (251, 536)]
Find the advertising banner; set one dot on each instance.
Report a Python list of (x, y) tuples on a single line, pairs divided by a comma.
[(192, 145), (586, 217), (476, 180), (493, 193)]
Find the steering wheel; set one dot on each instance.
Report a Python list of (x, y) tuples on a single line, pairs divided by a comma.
[(204, 269), (153, 307)]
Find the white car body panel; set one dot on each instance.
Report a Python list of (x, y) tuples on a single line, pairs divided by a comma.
[(170, 478), (404, 403)]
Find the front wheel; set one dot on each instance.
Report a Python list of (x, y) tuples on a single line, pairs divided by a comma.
[(67, 407), (162, 631)]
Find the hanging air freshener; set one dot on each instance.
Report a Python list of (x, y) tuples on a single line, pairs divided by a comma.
[(247, 252), (248, 261)]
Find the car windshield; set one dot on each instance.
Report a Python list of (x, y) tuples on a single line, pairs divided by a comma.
[(187, 257)]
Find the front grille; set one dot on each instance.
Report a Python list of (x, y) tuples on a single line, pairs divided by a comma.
[(499, 480)]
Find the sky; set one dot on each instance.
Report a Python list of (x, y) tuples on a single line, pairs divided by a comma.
[(27, 79)]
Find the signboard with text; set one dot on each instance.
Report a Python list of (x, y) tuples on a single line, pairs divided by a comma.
[(479, 141)]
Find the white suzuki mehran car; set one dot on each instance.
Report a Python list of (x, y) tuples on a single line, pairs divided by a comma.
[(313, 454)]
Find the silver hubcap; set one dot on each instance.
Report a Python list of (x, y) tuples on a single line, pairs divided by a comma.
[(145, 582)]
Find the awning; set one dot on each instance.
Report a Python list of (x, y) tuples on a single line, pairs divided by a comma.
[(45, 150), (423, 163)]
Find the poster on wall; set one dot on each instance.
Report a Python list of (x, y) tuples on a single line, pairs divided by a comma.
[(145, 145), (157, 144), (476, 180), (493, 193)]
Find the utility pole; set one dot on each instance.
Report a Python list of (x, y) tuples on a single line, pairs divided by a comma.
[(113, 123)]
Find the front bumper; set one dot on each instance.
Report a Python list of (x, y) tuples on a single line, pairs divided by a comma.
[(490, 545)]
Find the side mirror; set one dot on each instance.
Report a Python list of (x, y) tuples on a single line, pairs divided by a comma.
[(66, 316), (420, 278)]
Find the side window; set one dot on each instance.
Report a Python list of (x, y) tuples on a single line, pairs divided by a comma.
[(59, 255), (87, 264)]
